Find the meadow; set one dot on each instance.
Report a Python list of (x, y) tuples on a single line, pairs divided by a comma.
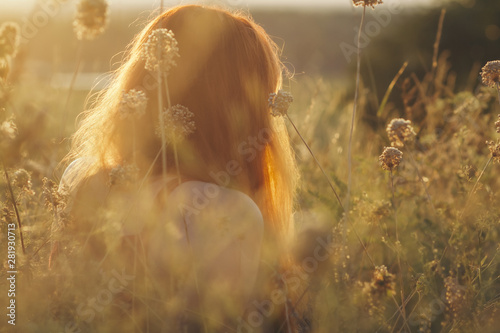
[(412, 247)]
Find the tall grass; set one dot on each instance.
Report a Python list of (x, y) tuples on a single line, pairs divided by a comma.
[(439, 252)]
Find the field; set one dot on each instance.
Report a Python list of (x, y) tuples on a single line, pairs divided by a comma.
[(411, 247)]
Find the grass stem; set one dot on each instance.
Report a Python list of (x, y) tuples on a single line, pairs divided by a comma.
[(14, 204)]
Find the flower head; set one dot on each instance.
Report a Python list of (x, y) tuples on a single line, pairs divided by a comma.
[(54, 198), (178, 123), (91, 19), (497, 124), (133, 104), (280, 102), (390, 158), (160, 51), (21, 179), (494, 150), (366, 3), (400, 131), (382, 281), (490, 73), (9, 39)]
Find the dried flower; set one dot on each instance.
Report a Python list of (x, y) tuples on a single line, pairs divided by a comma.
[(9, 39), (21, 179), (54, 199), (390, 158), (497, 124), (178, 123), (280, 102), (160, 51), (400, 131), (455, 295), (490, 73), (133, 104), (494, 150), (382, 282), (91, 19), (366, 3), (123, 175)]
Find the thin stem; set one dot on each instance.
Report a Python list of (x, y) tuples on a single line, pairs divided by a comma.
[(333, 189), (390, 88), (355, 106), (177, 164), (317, 162), (79, 58), (13, 199), (394, 205), (437, 41), (403, 310), (475, 184), (162, 129), (414, 163)]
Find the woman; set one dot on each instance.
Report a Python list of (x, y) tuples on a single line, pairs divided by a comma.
[(206, 221)]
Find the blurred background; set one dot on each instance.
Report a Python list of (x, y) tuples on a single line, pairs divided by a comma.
[(317, 36)]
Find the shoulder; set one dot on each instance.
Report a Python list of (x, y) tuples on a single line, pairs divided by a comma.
[(194, 198)]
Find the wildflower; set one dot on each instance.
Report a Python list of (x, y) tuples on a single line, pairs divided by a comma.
[(54, 199), (494, 150), (22, 180), (160, 51), (400, 131), (455, 295), (382, 282), (133, 104), (280, 102), (124, 175), (391, 157), (366, 3), (9, 39), (178, 123), (490, 73), (91, 19), (497, 124)]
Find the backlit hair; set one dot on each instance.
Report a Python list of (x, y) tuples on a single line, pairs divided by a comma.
[(227, 68)]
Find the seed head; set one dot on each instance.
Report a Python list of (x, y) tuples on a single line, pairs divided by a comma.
[(280, 102), (123, 175), (178, 123), (160, 51), (490, 73), (21, 179), (400, 131), (366, 3), (455, 295), (54, 199), (9, 39), (91, 19), (382, 282), (133, 104), (494, 150), (497, 124), (390, 158)]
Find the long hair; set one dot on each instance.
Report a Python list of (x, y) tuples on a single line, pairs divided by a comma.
[(228, 67)]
